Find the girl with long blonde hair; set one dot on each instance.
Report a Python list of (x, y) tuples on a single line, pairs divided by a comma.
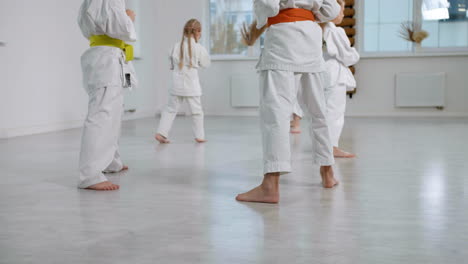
[(186, 57)]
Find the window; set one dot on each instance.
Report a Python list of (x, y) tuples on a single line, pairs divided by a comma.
[(226, 20), (382, 23), (446, 21)]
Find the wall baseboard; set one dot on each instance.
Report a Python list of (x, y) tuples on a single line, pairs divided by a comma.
[(408, 114), (253, 113), (48, 128), (40, 129), (384, 114), (139, 114)]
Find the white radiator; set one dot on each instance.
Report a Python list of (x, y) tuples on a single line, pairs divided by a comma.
[(244, 90), (420, 89)]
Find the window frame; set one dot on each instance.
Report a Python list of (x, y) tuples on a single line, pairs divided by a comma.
[(359, 7), (416, 51)]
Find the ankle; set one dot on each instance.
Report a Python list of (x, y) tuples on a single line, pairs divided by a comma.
[(325, 169), (271, 182)]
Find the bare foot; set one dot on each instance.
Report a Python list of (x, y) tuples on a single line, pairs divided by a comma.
[(104, 186), (328, 179), (162, 139), (124, 168), (267, 192), (339, 153), (200, 140)]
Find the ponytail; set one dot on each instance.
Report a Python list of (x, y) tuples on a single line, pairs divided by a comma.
[(191, 27), (181, 55)]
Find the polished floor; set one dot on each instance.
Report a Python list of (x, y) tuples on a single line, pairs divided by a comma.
[(403, 200)]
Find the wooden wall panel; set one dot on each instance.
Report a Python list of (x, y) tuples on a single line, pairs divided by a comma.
[(349, 3), (349, 12), (349, 25), (348, 22)]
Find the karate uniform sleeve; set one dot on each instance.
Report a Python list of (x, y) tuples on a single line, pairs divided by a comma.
[(204, 57), (339, 47), (326, 11), (171, 60), (82, 17), (118, 24), (263, 9)]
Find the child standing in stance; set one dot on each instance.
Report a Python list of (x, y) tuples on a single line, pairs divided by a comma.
[(186, 58)]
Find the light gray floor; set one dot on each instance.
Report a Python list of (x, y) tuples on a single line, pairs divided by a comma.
[(403, 200)]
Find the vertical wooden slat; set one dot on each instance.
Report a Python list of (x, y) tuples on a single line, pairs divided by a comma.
[(349, 25)]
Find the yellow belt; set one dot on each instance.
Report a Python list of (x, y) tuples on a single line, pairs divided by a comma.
[(104, 40)]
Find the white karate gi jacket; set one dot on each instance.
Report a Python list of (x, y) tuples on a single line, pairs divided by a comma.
[(282, 50), (105, 66), (339, 55), (185, 81)]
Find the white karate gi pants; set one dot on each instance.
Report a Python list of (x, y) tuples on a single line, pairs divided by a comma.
[(101, 132), (336, 105), (278, 94), (169, 114), (297, 109)]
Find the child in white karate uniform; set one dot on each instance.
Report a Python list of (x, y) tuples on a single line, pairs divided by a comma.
[(186, 58), (107, 71), (292, 54), (338, 55)]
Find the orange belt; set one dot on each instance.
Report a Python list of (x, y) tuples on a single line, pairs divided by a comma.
[(291, 15)]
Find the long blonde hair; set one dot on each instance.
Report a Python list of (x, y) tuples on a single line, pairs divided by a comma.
[(191, 27)]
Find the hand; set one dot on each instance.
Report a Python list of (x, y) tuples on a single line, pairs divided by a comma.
[(131, 14)]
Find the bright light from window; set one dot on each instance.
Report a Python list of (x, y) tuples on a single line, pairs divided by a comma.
[(436, 14)]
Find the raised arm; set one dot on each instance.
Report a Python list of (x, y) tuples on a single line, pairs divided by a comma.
[(326, 11), (118, 24), (205, 60)]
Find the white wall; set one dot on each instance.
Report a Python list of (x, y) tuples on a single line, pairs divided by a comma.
[(376, 82), (40, 73), (216, 86), (40, 66)]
